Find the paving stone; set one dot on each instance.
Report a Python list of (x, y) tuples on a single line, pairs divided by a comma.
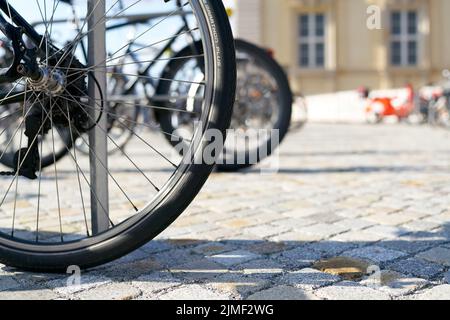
[(417, 267), (421, 225), (347, 290), (408, 244), (211, 248), (387, 231), (239, 223), (237, 286), (34, 278), (438, 255), (201, 269), (174, 258), (8, 282), (155, 282), (130, 270), (393, 283), (234, 257), (294, 223), (193, 292), (441, 292), (325, 230), (262, 268), (183, 242), (266, 247), (356, 237), (446, 277), (324, 217), (297, 237), (330, 248), (283, 293), (299, 257), (266, 231), (114, 291), (375, 254), (29, 293), (61, 287), (354, 224), (309, 279), (392, 219)]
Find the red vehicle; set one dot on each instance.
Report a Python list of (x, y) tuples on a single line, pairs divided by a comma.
[(378, 108)]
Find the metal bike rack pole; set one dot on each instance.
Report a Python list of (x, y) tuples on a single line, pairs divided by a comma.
[(98, 141)]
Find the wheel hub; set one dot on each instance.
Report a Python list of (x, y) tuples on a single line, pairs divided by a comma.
[(52, 82)]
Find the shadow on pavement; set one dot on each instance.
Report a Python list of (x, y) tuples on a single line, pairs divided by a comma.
[(243, 267)]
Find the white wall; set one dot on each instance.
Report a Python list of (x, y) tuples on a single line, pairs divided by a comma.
[(345, 106)]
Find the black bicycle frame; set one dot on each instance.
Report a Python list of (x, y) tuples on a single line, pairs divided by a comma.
[(14, 34)]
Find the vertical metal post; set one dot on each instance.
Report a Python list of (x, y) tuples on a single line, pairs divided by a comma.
[(98, 141)]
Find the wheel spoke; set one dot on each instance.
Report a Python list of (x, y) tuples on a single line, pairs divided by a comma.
[(123, 152), (130, 121)]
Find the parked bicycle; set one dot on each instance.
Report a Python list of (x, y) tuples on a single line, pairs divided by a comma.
[(434, 103), (262, 111), (57, 85)]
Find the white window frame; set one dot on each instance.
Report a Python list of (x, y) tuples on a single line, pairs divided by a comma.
[(312, 40), (404, 38)]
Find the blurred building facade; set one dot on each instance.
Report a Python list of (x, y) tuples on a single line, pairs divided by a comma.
[(327, 45)]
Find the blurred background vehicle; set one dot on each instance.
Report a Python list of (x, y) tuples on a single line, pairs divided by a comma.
[(378, 108)]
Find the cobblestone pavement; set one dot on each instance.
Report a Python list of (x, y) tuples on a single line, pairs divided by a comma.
[(355, 212)]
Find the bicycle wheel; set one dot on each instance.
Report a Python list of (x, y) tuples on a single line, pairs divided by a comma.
[(263, 104), (88, 211)]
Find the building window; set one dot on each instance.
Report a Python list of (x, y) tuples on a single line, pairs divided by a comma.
[(404, 38), (312, 40)]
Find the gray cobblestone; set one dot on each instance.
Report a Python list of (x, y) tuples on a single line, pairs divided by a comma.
[(309, 279), (417, 267), (30, 293), (113, 291), (324, 230), (441, 292), (299, 257), (61, 286), (234, 257), (354, 223), (395, 284), (375, 254), (283, 293), (350, 291), (237, 286), (262, 268), (155, 282), (330, 248), (193, 292), (438, 255), (387, 232), (8, 282), (201, 269)]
